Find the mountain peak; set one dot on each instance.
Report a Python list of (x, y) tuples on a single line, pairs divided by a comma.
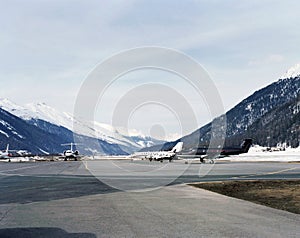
[(41, 111), (293, 72), (41, 104), (6, 102), (13, 108)]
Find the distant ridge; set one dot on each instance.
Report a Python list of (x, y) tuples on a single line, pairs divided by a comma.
[(278, 126), (269, 116), (61, 123), (45, 138)]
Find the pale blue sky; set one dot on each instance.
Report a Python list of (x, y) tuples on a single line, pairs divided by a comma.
[(48, 47)]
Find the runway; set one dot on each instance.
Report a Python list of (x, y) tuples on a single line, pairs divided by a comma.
[(136, 199)]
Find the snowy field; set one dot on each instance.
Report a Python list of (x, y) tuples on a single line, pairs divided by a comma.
[(258, 153)]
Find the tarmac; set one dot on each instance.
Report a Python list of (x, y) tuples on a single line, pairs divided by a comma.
[(136, 199)]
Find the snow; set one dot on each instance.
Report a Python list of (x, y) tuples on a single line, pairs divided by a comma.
[(145, 143), (258, 154), (43, 151), (93, 129), (9, 127), (249, 107), (15, 109), (293, 72), (4, 123), (296, 109), (4, 133), (17, 134)]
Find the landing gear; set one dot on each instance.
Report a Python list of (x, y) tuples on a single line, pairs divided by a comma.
[(207, 161)]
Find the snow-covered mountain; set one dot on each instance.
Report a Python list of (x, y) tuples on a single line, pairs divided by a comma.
[(269, 116), (260, 102), (34, 112), (281, 125), (293, 72), (20, 134), (272, 98), (46, 138)]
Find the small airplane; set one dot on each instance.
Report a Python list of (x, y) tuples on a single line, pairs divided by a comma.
[(4, 154), (8, 155), (70, 154), (204, 153), (159, 155)]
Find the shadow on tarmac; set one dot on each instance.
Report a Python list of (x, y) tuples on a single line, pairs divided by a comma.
[(40, 232), (27, 189)]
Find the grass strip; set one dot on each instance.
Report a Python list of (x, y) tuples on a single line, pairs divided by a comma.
[(279, 194)]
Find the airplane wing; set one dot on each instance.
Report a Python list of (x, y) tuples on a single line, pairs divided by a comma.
[(205, 158), (190, 158)]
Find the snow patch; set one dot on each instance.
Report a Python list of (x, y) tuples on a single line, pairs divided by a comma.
[(249, 107), (293, 72), (43, 151), (4, 133), (258, 154), (17, 134)]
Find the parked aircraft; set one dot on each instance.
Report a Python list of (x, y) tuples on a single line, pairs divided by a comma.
[(4, 154), (159, 155), (70, 154), (244, 148), (8, 154), (204, 153)]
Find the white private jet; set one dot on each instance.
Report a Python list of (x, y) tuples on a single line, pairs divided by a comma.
[(159, 155), (14, 155), (4, 154), (70, 154)]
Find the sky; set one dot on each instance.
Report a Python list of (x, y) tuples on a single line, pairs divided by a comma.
[(48, 48)]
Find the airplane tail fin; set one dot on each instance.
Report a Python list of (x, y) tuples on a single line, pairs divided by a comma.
[(7, 148), (178, 147), (246, 145)]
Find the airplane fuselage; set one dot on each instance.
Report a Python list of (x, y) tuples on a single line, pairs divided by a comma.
[(159, 155), (155, 155), (203, 153)]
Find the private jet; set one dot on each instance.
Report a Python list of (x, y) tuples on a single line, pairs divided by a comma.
[(206, 154), (70, 154), (14, 155), (4, 154), (159, 155)]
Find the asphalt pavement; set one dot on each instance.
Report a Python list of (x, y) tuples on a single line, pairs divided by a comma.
[(136, 199)]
